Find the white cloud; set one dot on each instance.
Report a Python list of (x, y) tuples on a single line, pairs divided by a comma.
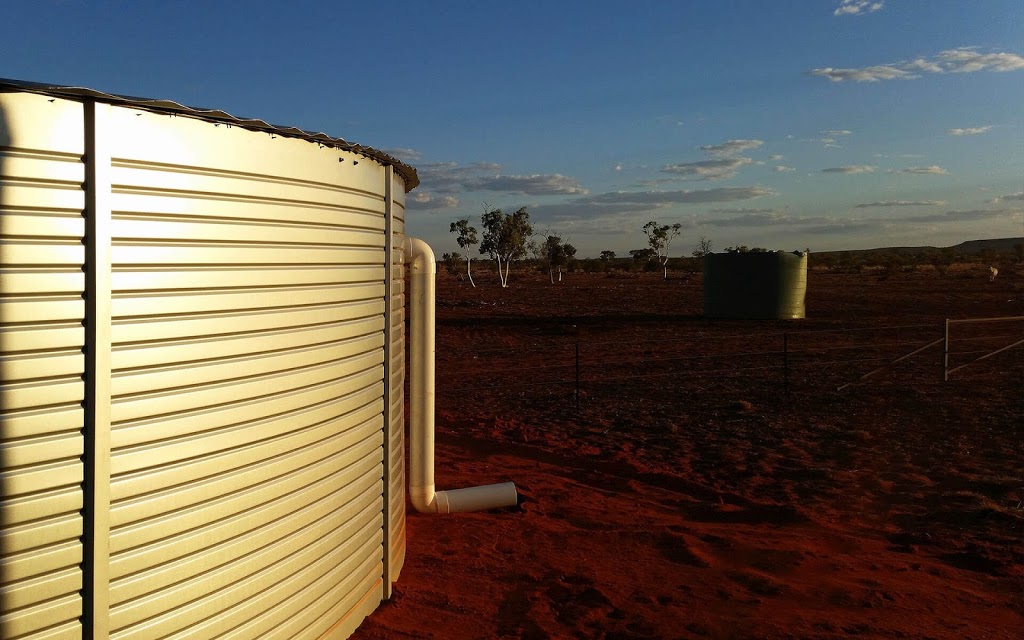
[(425, 200), (708, 169), (932, 170), (534, 185), (750, 220), (782, 169), (721, 194), (775, 158), (724, 163), (449, 177), (1011, 196), (962, 216), (597, 218), (405, 155), (902, 203), (654, 182), (857, 7), (899, 155), (923, 65), (969, 60), (452, 178), (743, 210), (845, 226), (622, 212), (960, 60), (867, 74), (731, 148), (617, 167), (851, 169), (969, 131), (828, 138)]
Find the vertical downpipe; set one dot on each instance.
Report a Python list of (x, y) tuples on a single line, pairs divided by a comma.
[(96, 489), (422, 493), (389, 245)]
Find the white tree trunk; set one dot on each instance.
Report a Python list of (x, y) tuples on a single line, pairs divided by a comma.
[(664, 265), (469, 273), (501, 275), (551, 275)]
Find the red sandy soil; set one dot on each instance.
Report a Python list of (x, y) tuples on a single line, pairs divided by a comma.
[(707, 497)]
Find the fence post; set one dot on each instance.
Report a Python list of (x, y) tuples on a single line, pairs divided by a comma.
[(785, 364), (577, 369), (945, 355)]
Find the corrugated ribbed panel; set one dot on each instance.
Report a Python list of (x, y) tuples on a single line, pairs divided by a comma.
[(247, 417), (396, 412), (42, 366)]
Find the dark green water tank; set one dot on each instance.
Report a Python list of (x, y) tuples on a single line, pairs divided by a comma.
[(761, 285)]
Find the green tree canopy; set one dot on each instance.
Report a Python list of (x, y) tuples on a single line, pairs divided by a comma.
[(505, 237)]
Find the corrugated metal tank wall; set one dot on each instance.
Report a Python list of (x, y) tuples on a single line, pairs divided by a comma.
[(396, 420), (42, 340), (765, 285), (239, 470)]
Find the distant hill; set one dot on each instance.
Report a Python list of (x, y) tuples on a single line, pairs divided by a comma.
[(970, 247), (996, 244)]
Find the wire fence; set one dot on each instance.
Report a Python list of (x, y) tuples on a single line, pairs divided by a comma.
[(811, 360)]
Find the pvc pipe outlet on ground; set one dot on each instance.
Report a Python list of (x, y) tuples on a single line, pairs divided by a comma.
[(422, 270)]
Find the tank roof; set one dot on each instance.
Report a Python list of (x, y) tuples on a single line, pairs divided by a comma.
[(407, 172)]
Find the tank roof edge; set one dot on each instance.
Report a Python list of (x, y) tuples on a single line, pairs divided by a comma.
[(407, 172)]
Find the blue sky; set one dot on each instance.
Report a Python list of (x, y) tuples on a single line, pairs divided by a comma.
[(827, 124)]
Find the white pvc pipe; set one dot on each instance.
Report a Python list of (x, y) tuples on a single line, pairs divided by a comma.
[(422, 270)]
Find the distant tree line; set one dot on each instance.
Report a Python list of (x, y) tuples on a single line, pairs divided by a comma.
[(510, 238)]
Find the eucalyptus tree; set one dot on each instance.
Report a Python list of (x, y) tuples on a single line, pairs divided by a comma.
[(557, 254), (702, 248), (659, 238), (466, 237), (505, 238)]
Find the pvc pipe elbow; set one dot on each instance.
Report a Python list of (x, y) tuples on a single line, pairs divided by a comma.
[(419, 256), (470, 499), (423, 499)]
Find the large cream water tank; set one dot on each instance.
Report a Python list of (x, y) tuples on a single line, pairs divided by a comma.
[(203, 343)]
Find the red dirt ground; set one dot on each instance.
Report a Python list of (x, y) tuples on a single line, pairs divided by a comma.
[(698, 493)]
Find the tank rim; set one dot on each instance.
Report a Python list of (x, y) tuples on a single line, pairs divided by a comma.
[(408, 173)]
